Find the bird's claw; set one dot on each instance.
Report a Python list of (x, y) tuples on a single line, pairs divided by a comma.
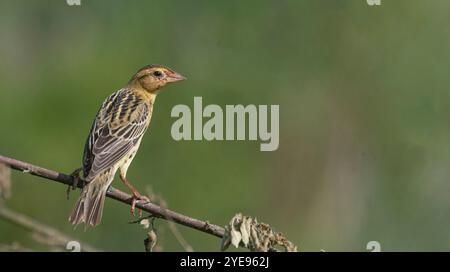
[(137, 198), (76, 178)]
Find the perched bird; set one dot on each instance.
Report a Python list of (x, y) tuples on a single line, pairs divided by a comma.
[(115, 137)]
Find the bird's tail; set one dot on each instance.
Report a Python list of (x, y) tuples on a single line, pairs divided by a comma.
[(89, 206)]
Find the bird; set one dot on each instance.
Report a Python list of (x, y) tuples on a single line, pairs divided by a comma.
[(114, 139)]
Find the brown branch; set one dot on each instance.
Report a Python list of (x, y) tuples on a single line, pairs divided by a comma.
[(113, 193)]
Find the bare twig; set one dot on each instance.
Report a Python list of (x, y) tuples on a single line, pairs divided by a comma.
[(14, 247), (42, 233), (113, 193), (5, 181), (172, 226)]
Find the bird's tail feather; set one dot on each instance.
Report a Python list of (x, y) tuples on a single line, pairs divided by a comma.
[(89, 206)]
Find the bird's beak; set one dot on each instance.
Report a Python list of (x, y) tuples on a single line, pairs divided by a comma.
[(174, 77)]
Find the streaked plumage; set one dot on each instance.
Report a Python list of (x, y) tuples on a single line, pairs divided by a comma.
[(115, 137)]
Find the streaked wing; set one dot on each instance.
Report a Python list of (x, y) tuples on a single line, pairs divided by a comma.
[(103, 114), (118, 127)]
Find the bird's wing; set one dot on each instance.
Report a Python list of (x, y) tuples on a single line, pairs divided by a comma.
[(118, 127)]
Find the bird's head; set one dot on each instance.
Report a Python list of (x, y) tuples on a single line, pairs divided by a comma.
[(153, 77)]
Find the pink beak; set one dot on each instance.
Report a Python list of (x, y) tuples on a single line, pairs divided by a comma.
[(175, 77)]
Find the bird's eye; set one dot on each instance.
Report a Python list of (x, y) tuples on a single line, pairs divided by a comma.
[(157, 73)]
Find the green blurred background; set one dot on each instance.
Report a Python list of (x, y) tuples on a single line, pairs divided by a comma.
[(364, 105)]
